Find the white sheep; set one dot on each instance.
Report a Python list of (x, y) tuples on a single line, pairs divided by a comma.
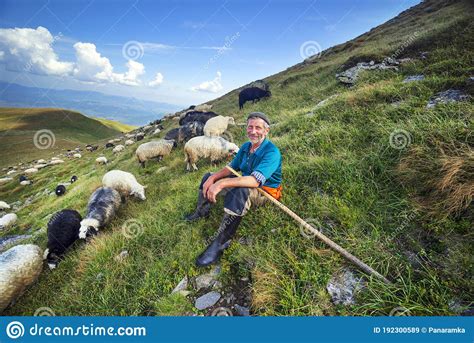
[(214, 148), (101, 160), (77, 155), (129, 142), (55, 161), (118, 148), (5, 180), (154, 149), (157, 131), (10, 172), (125, 183), (20, 266), (116, 140), (216, 126), (4, 206), (41, 161), (31, 170), (203, 108), (8, 220), (39, 166), (130, 135), (25, 182)]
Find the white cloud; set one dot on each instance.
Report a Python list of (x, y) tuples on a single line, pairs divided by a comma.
[(25, 49), (157, 81), (31, 50), (212, 86), (92, 67)]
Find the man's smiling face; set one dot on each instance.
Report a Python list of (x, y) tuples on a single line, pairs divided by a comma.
[(256, 130)]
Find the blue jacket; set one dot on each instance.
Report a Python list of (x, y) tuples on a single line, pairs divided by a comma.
[(264, 164)]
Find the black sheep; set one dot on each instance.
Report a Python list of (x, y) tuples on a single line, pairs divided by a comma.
[(252, 93), (23, 178), (199, 116), (109, 145), (60, 190), (63, 231), (186, 132), (73, 178)]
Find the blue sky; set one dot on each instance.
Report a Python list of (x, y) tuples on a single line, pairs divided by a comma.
[(180, 52)]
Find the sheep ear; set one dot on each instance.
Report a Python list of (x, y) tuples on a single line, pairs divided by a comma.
[(146, 186)]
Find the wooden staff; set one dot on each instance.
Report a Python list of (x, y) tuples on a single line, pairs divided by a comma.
[(334, 246)]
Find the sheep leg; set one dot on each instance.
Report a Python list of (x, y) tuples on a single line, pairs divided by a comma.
[(194, 166), (142, 164)]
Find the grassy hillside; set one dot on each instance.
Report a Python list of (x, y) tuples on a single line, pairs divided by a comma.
[(406, 211), (118, 126), (66, 129)]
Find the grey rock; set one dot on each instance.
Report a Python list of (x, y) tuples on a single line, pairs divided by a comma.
[(205, 281), (405, 60), (6, 242), (181, 286), (413, 78), (448, 96), (207, 300), (325, 101), (161, 169), (343, 286), (230, 298), (242, 310), (350, 75), (122, 256)]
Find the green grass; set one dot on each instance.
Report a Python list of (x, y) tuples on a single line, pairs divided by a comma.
[(338, 168), (118, 126), (67, 130)]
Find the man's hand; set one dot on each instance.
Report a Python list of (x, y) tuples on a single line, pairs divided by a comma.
[(213, 191), (209, 182)]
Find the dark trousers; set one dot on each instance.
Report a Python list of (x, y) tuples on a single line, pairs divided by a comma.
[(238, 200)]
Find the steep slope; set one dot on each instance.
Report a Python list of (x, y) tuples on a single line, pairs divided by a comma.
[(55, 130), (372, 167)]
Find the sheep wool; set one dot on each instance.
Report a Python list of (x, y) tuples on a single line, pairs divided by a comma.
[(31, 170), (101, 160), (4, 206), (118, 148), (216, 126), (125, 183), (20, 266), (154, 149), (214, 148), (102, 206), (8, 220), (5, 180), (63, 231)]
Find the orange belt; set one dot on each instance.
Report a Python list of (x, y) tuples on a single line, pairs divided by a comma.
[(274, 192)]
